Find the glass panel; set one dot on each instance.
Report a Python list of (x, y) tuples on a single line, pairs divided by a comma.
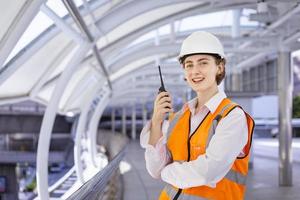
[(58, 7), (164, 30), (223, 18), (39, 24)]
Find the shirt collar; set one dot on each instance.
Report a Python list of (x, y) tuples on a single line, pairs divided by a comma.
[(212, 104)]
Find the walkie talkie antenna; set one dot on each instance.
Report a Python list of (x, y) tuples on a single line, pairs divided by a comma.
[(162, 86)]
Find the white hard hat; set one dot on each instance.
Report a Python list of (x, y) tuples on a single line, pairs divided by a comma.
[(201, 42)]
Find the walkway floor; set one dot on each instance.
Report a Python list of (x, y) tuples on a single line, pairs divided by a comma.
[(262, 183)]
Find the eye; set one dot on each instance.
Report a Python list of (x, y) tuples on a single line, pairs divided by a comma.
[(188, 66), (203, 63)]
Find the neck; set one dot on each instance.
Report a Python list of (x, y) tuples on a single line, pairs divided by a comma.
[(203, 97)]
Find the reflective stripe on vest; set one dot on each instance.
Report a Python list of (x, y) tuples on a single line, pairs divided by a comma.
[(171, 127), (216, 121), (172, 193), (212, 128), (236, 177), (174, 122), (231, 175)]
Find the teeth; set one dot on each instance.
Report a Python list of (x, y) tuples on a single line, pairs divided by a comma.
[(197, 79)]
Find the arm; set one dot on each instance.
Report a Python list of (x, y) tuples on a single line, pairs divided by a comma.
[(227, 143), (156, 156), (153, 136)]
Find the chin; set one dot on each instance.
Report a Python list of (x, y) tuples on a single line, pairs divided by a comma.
[(202, 88), (199, 90)]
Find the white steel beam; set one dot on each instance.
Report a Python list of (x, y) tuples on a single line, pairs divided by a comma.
[(77, 17), (282, 19), (48, 121), (62, 24), (81, 129), (18, 27), (93, 125), (203, 9), (12, 100), (90, 12), (31, 49), (254, 60)]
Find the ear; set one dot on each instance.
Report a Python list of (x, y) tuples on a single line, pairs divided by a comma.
[(220, 68)]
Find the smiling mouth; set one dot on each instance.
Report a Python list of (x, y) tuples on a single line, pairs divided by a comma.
[(197, 80)]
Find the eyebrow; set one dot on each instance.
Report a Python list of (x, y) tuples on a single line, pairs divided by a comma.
[(199, 60)]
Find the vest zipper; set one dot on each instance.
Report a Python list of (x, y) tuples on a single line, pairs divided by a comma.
[(190, 137), (189, 147)]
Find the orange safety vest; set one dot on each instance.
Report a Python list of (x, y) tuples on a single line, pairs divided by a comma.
[(185, 147)]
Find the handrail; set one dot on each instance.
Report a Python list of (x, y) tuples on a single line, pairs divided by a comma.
[(61, 180), (96, 185)]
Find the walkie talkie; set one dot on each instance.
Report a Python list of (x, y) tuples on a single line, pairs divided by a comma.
[(162, 86)]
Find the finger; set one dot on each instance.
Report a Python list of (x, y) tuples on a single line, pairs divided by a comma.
[(158, 97), (165, 105), (162, 100), (165, 99), (162, 94)]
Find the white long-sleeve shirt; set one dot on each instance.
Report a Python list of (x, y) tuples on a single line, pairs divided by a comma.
[(230, 137)]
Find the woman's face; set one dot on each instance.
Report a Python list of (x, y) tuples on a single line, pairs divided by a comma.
[(200, 72)]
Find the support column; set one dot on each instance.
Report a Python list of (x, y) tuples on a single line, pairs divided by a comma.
[(113, 120), (133, 123), (144, 115), (285, 89), (7, 142), (173, 34), (235, 32), (124, 120), (8, 181)]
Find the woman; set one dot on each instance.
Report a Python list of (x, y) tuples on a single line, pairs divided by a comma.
[(203, 151)]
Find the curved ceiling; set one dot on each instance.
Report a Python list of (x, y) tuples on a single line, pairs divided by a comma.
[(131, 37)]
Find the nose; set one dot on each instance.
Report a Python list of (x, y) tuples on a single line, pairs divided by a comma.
[(196, 69)]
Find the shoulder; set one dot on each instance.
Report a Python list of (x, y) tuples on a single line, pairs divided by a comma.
[(236, 113), (236, 109), (234, 121)]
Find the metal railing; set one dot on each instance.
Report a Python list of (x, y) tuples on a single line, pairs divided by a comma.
[(96, 185)]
